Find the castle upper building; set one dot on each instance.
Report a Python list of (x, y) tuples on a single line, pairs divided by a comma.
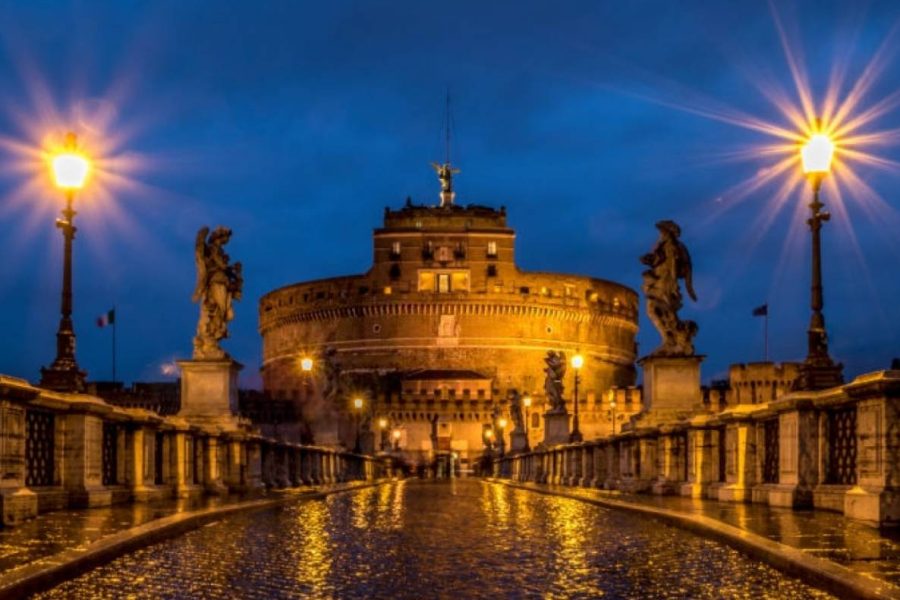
[(441, 329)]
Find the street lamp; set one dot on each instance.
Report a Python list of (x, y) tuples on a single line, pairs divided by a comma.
[(396, 435), (382, 426), (306, 363), (612, 409), (577, 362), (357, 405), (70, 172), (526, 401), (501, 425), (489, 439), (818, 370)]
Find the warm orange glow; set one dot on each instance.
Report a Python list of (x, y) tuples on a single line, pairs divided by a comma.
[(306, 364), (396, 434), (488, 433), (358, 403), (527, 401), (817, 154), (382, 423), (577, 361), (502, 423), (70, 167)]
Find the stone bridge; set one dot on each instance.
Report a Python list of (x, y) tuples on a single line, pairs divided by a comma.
[(60, 450)]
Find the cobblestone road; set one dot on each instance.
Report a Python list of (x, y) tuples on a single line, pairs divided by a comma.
[(462, 539)]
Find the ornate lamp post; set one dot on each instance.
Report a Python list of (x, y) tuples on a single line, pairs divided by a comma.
[(396, 435), (70, 171), (501, 442), (612, 409), (577, 362), (357, 405), (818, 370), (526, 401), (489, 439), (382, 427)]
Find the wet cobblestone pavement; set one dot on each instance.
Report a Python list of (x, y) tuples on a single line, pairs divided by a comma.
[(54, 532), (824, 534), (462, 539)]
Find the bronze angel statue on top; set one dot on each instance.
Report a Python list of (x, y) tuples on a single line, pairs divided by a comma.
[(218, 285), (669, 262)]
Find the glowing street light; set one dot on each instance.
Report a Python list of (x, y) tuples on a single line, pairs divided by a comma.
[(526, 401), (816, 154), (396, 435), (501, 437), (357, 405), (382, 427), (70, 170), (612, 409), (818, 370), (577, 362), (306, 364)]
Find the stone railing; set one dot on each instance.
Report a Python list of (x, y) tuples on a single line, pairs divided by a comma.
[(74, 450), (836, 449)]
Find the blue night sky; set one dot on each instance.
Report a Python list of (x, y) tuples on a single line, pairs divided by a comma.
[(296, 123)]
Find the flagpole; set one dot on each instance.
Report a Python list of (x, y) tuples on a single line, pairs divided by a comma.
[(114, 324)]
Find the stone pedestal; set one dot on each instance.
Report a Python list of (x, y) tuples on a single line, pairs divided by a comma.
[(518, 442), (209, 392), (671, 388), (556, 428), (83, 461)]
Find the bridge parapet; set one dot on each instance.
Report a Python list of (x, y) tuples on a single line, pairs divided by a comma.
[(836, 449), (74, 450)]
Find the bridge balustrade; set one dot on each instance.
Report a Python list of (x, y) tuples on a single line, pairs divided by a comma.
[(64, 450), (836, 449)]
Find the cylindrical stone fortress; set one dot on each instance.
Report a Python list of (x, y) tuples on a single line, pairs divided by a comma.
[(444, 326)]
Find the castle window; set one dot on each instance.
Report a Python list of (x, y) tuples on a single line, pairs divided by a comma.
[(492, 271), (492, 249), (443, 254), (535, 421), (459, 252), (428, 251), (524, 290), (426, 281), (443, 283), (459, 281), (387, 290), (395, 272), (395, 249)]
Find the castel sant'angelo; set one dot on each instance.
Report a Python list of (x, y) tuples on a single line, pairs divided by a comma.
[(439, 333)]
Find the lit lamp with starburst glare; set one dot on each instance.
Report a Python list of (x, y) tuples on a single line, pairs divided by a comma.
[(577, 363), (818, 370), (70, 169)]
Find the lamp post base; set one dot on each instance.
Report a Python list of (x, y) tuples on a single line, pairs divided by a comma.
[(819, 375), (63, 378)]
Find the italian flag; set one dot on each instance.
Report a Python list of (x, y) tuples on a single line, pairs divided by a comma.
[(107, 318)]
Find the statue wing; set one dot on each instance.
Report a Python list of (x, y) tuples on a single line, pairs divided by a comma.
[(685, 270), (200, 260)]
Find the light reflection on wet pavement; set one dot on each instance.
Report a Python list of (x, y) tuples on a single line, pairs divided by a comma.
[(461, 539), (57, 531)]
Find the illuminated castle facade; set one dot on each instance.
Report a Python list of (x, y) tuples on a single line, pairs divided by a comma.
[(439, 332)]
